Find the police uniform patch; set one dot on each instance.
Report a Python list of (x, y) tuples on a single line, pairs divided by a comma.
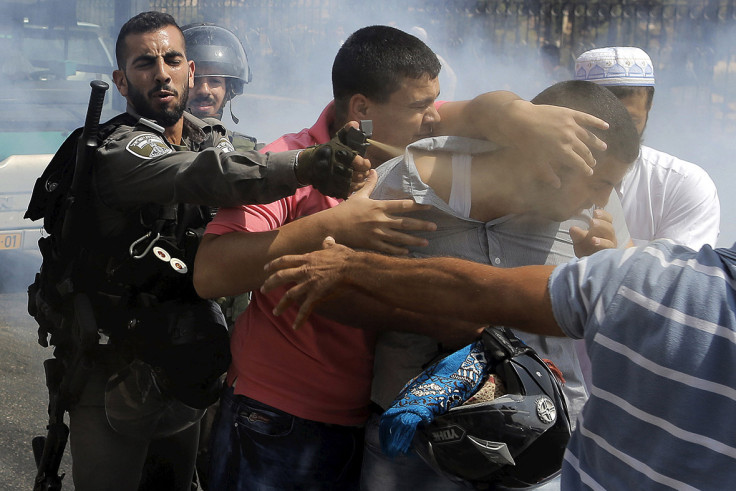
[(225, 145), (148, 146)]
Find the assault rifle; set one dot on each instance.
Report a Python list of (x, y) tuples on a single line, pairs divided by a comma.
[(60, 306)]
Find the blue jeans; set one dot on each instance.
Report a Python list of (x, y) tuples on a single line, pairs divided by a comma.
[(410, 471), (254, 446)]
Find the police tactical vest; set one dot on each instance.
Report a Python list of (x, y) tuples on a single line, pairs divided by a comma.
[(142, 294)]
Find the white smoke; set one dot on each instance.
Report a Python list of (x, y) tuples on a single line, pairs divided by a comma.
[(683, 121)]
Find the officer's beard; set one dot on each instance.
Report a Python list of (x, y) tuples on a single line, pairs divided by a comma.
[(167, 117)]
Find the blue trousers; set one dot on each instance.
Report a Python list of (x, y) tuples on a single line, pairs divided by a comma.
[(257, 447), (405, 472)]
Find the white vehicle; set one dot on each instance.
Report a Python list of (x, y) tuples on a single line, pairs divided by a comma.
[(44, 91)]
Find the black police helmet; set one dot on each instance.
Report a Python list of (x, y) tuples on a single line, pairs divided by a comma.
[(516, 440), (220, 51)]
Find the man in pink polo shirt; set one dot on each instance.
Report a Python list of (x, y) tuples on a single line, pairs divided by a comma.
[(296, 400)]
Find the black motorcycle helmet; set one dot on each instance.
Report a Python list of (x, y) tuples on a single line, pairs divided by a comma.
[(216, 47), (516, 440)]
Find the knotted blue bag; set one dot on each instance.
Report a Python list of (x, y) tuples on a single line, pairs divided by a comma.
[(444, 385)]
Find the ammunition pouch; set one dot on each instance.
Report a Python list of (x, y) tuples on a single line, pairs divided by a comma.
[(189, 342), (48, 318), (46, 293)]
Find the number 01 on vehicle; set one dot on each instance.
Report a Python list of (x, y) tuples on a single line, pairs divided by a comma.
[(10, 240)]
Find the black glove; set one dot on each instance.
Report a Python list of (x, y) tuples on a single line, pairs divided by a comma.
[(327, 167)]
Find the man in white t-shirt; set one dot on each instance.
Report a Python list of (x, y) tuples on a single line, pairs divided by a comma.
[(662, 196)]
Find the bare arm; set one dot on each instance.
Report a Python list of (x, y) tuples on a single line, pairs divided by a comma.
[(232, 263), (353, 307), (548, 136), (449, 287)]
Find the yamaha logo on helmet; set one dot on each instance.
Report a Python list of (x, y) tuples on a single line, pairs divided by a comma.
[(546, 410), (447, 434)]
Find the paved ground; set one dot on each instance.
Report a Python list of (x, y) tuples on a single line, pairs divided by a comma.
[(23, 396)]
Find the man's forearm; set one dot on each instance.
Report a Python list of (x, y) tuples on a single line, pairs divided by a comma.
[(359, 310), (480, 117), (455, 288), (232, 263)]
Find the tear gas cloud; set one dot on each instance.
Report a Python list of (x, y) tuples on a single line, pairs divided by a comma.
[(682, 121), (289, 89)]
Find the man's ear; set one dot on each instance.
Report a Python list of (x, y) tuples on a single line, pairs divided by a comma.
[(118, 76), (358, 107), (191, 74)]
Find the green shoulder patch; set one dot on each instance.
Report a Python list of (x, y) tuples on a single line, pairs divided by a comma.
[(148, 146)]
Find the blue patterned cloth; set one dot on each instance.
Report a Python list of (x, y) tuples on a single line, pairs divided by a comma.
[(444, 385)]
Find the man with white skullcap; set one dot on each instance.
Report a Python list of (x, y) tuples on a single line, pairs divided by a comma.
[(662, 196)]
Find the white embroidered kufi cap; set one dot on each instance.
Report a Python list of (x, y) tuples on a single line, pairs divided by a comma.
[(625, 65)]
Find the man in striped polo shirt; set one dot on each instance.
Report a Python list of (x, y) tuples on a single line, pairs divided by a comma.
[(659, 325)]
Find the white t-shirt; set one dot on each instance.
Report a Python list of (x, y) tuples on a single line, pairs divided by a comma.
[(665, 197)]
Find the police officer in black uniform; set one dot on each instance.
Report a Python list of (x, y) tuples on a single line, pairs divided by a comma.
[(222, 71), (163, 348)]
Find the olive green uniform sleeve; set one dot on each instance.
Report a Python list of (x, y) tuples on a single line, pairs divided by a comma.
[(136, 166), (243, 142)]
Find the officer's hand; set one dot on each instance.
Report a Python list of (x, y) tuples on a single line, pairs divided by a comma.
[(333, 168)]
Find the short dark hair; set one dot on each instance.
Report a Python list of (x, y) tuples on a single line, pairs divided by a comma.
[(621, 136), (141, 23), (624, 91), (374, 60)]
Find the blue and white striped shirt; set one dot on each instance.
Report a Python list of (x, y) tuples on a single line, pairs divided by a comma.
[(659, 328)]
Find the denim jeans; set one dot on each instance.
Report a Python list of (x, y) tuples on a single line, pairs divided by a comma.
[(404, 472), (258, 447)]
